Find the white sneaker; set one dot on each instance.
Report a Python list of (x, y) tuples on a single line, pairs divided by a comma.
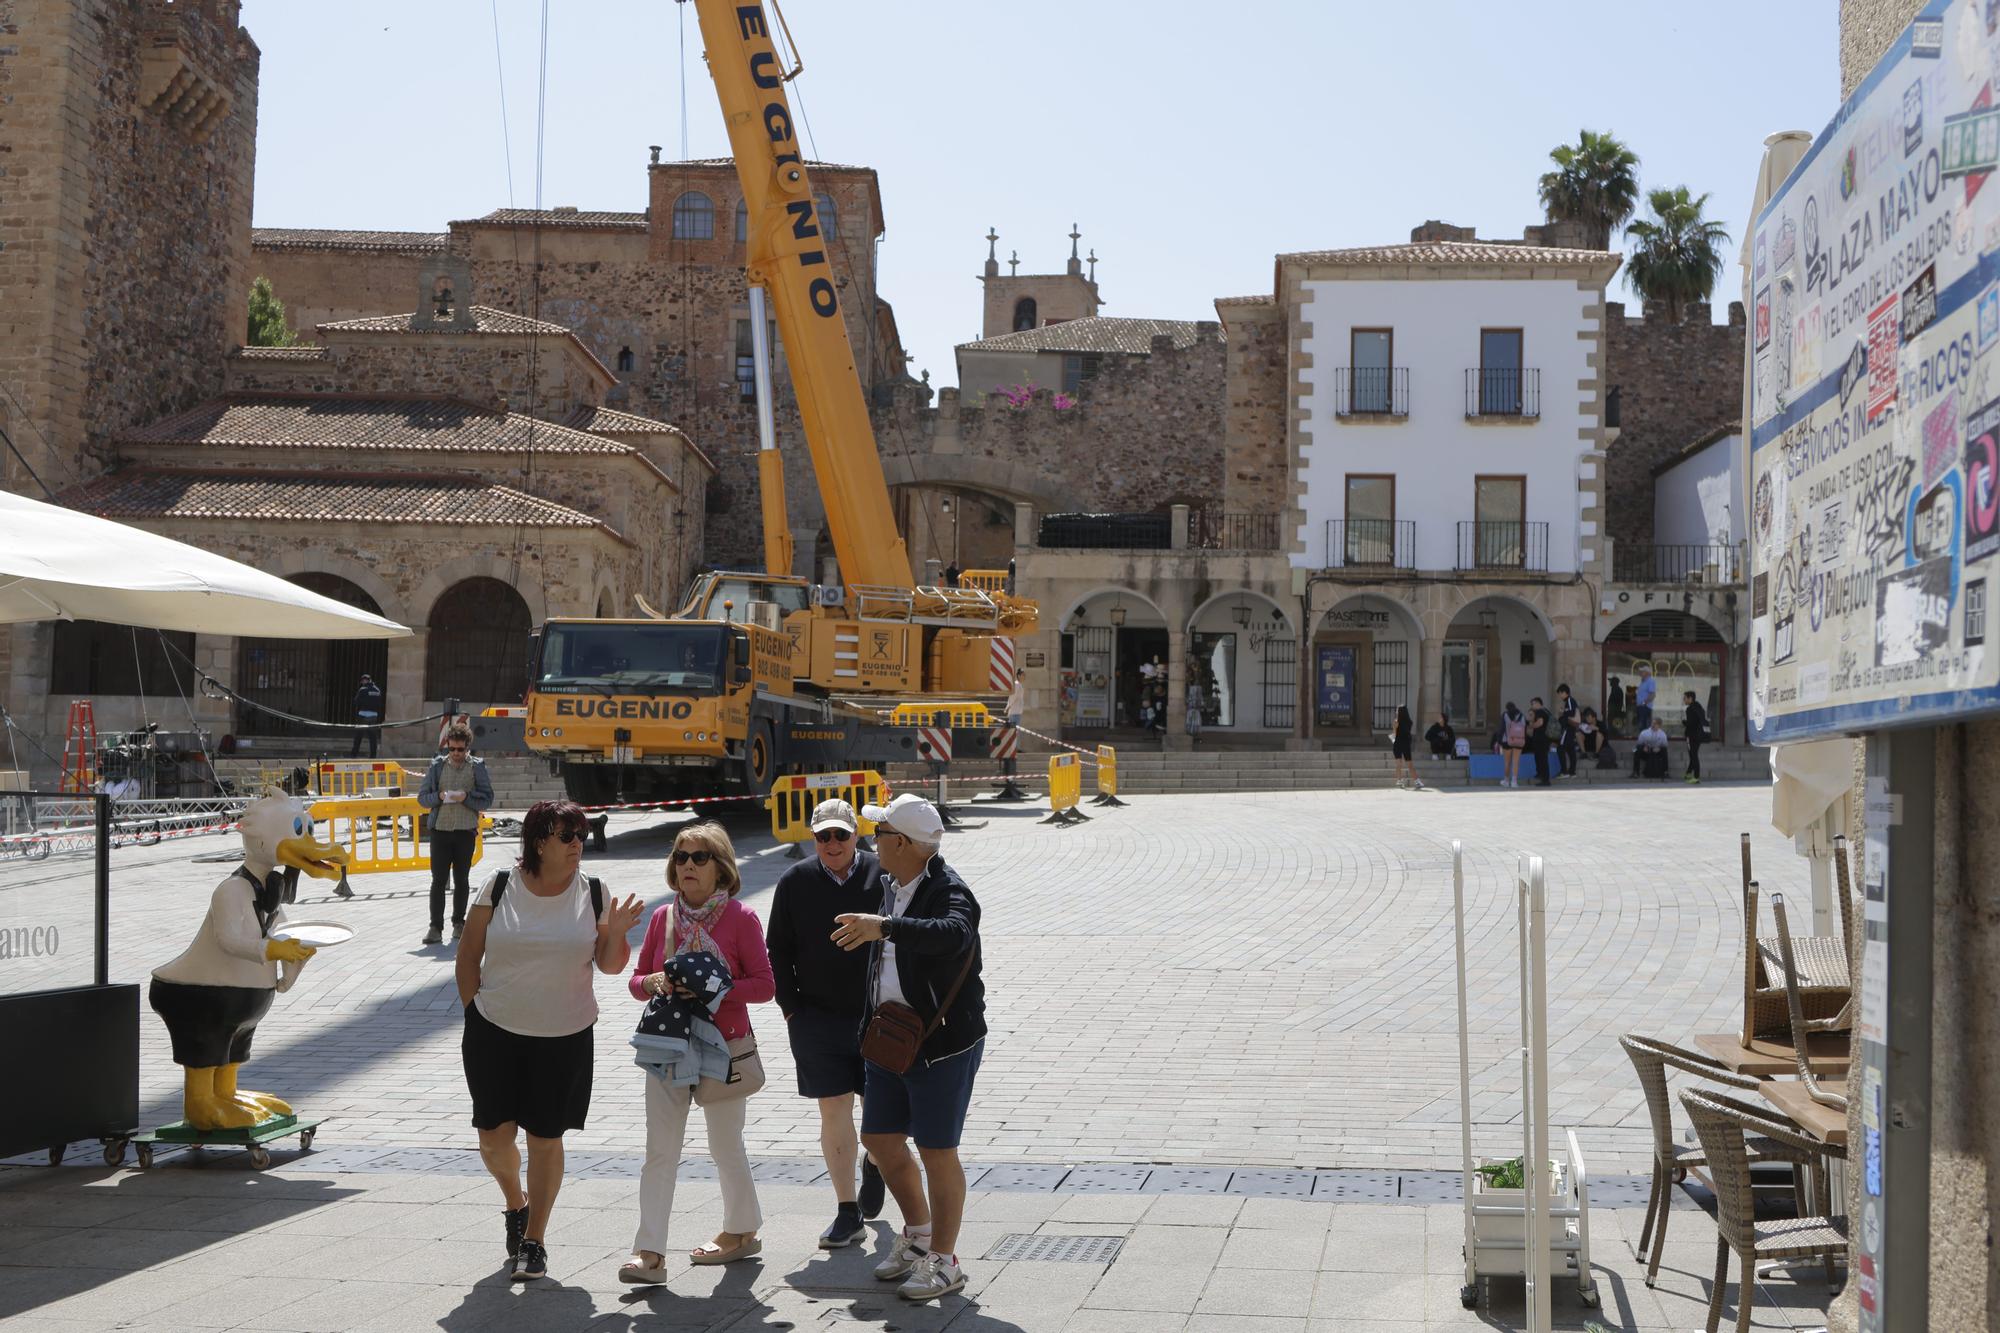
[(901, 1259), (935, 1275)]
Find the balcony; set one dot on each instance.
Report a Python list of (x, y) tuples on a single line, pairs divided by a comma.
[(1504, 547), (1216, 530), (1379, 392), (1502, 394), (1366, 545), (1094, 532), (1707, 566)]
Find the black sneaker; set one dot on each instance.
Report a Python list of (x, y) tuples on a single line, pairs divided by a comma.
[(533, 1261), (846, 1229), (517, 1226), (872, 1188)]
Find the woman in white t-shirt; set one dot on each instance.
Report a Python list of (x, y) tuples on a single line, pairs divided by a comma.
[(524, 978)]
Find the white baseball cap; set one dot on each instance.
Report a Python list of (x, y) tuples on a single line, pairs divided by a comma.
[(834, 814), (910, 815)]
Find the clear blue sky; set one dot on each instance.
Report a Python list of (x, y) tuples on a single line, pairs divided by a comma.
[(1191, 142)]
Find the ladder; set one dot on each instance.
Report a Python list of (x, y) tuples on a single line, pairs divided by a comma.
[(79, 771)]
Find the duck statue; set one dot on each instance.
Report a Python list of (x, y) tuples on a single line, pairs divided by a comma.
[(213, 995)]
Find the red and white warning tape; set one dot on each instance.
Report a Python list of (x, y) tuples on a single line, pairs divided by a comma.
[(1089, 756)]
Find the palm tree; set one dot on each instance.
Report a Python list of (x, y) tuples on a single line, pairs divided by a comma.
[(1596, 182), (1677, 255)]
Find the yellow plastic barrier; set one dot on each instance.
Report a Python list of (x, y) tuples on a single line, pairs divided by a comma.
[(961, 713), (984, 580), (383, 833), (1065, 790), (353, 777), (793, 800), (1107, 777)]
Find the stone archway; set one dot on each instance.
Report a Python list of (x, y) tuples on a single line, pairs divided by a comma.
[(477, 651), (1242, 654), (1365, 660), (1497, 649), (301, 681), (954, 527), (1114, 637)]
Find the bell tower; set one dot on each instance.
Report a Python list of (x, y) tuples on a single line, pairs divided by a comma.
[(1020, 301)]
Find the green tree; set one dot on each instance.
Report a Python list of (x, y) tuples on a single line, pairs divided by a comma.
[(1596, 182), (1677, 253), (267, 318)]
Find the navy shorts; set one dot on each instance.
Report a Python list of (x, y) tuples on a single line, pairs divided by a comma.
[(928, 1103), (826, 1051)]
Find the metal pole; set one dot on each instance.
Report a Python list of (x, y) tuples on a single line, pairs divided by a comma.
[(760, 353), (103, 889), (1470, 1289)]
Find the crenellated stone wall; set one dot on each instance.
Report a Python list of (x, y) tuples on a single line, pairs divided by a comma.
[(1675, 383)]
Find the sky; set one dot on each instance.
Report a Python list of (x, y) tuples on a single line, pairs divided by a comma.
[(1190, 142)]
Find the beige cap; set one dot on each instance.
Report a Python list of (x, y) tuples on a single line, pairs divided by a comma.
[(834, 814)]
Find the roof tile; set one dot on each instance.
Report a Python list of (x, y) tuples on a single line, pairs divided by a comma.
[(488, 320), (341, 238), (589, 219), (1098, 333), (1453, 253), (147, 492), (436, 425)]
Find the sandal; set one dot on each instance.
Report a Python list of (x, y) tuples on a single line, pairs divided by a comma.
[(638, 1274), (712, 1253)]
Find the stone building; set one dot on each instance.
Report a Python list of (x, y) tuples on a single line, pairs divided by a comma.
[(1016, 302)]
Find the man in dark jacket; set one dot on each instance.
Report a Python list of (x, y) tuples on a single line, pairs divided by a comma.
[(1538, 739), (1696, 719), (367, 712), (924, 954), (823, 994)]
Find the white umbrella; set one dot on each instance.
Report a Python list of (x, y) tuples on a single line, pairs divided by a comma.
[(57, 564)]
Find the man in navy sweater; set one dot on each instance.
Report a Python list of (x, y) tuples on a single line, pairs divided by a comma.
[(823, 993)]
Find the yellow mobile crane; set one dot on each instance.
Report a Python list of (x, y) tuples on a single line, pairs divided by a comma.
[(757, 674)]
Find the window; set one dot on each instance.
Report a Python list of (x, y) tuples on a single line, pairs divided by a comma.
[(829, 221), (1500, 372), (746, 360), (1079, 370), (1499, 513), (1024, 314), (694, 217), (1371, 354), (1975, 612), (742, 221), (624, 360), (95, 658), (1371, 520)]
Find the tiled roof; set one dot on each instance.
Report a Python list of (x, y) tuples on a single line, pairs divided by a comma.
[(487, 318), (810, 165), (1258, 298), (339, 238), (593, 219), (147, 492), (1452, 252), (610, 421), (1099, 333), (439, 425), (305, 352)]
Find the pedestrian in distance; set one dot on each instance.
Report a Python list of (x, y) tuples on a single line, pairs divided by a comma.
[(1441, 738), (1568, 718), (1614, 707), (368, 713), (1197, 700), (1649, 752), (1402, 745), (531, 938), (1695, 720), (1513, 740), (457, 791), (822, 991), (929, 1017), (1538, 739), (1642, 697), (702, 917)]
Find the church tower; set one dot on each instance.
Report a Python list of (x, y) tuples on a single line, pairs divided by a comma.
[(1029, 301)]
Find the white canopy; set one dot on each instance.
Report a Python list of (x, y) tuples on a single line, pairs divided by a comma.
[(57, 564)]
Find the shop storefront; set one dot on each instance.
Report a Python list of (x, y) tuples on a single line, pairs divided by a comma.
[(1363, 665), (1685, 654)]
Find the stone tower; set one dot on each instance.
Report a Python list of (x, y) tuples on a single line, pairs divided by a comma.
[(127, 146), (1029, 301)]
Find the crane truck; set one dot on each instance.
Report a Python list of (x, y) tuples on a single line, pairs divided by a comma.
[(761, 673)]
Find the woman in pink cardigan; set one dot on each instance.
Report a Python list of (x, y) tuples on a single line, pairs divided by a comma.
[(703, 916)]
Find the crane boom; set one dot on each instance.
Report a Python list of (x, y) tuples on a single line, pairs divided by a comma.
[(788, 257)]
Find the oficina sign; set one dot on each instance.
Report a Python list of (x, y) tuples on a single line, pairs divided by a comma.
[(1875, 399)]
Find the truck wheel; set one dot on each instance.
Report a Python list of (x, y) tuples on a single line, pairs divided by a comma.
[(589, 784), (760, 760)]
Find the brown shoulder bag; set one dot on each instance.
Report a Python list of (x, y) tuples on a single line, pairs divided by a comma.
[(897, 1033)]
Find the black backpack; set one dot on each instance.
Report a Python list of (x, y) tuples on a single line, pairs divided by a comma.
[(596, 893)]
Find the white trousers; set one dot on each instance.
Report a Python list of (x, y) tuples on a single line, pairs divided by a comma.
[(666, 1128)]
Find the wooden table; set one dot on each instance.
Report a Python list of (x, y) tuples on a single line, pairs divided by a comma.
[(1825, 1051), (1824, 1123)]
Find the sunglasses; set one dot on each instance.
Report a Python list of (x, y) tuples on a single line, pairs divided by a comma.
[(567, 835), (832, 834), (700, 858), (454, 749)]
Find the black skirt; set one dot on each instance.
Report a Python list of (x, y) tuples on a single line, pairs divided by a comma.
[(209, 1025), (539, 1083)]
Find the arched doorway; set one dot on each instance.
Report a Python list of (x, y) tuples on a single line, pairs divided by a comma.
[(1496, 650), (954, 526), (1242, 651), (1365, 652), (478, 649), (310, 678), (1114, 654), (1684, 652)]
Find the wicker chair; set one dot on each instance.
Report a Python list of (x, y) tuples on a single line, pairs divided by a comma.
[(1819, 963), (1724, 1126), (1672, 1160)]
